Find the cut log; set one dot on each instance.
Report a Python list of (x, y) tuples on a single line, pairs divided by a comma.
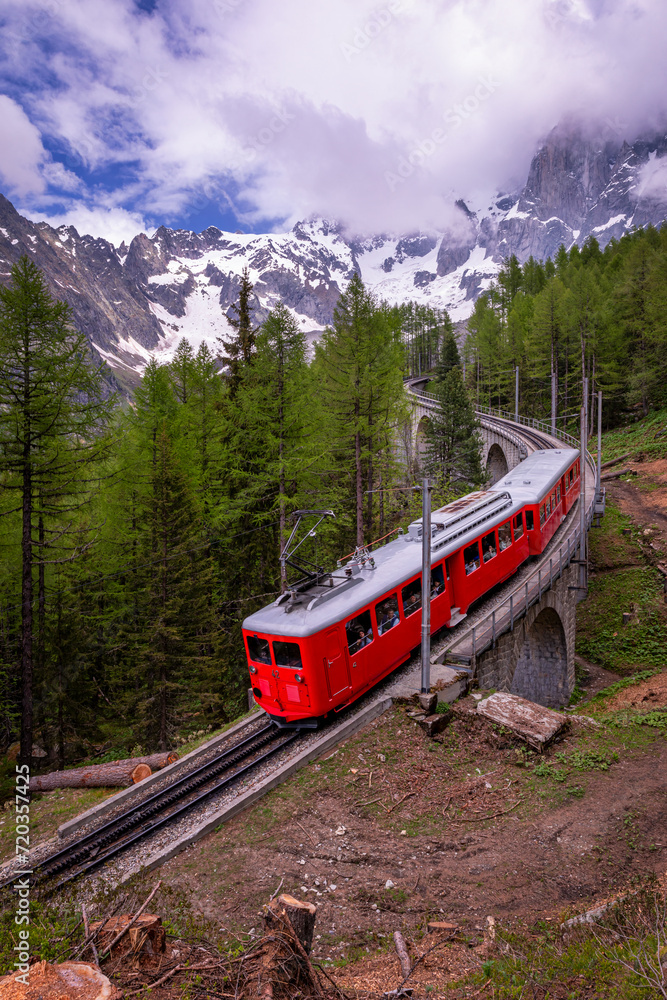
[(614, 461), (402, 951), (115, 774), (617, 475), (66, 981)]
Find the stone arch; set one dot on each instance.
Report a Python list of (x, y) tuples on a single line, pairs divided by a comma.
[(496, 463), (540, 674)]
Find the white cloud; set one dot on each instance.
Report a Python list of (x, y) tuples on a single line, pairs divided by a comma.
[(21, 150), (652, 182), (113, 224), (314, 108)]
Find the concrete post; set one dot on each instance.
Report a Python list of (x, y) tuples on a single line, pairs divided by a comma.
[(426, 586)]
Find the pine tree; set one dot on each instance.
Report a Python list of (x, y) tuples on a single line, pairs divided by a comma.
[(240, 348), (453, 442), (51, 413)]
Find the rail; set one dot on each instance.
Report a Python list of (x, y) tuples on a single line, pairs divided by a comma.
[(501, 618)]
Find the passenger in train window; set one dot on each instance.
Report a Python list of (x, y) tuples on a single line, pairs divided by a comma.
[(359, 632), (386, 613), (437, 581), (489, 546), (471, 558), (504, 536), (412, 597)]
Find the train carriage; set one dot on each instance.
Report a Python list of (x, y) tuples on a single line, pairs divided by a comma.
[(323, 644), (548, 484)]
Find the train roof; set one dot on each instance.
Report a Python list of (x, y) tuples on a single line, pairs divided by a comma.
[(533, 478), (338, 595)]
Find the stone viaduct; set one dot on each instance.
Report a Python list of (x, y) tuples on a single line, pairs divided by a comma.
[(521, 637)]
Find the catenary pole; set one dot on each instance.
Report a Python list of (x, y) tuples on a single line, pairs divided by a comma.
[(582, 487), (599, 475), (516, 394), (553, 404), (426, 586)]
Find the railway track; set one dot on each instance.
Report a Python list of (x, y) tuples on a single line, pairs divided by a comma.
[(138, 822)]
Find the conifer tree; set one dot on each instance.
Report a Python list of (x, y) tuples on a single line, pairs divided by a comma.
[(240, 348), (453, 442), (52, 410), (358, 368)]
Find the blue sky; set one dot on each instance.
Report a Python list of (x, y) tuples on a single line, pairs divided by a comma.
[(120, 115)]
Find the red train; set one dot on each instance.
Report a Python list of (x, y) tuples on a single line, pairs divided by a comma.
[(319, 647)]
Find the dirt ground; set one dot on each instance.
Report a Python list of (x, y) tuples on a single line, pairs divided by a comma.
[(644, 499), (394, 830)]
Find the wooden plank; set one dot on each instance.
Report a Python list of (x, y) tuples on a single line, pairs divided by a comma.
[(533, 723)]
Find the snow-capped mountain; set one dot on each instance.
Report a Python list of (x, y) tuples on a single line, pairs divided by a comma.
[(140, 300)]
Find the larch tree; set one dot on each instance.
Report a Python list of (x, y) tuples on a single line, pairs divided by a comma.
[(52, 412), (453, 442), (239, 349), (358, 366)]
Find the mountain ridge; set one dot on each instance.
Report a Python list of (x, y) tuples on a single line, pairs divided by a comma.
[(137, 300)]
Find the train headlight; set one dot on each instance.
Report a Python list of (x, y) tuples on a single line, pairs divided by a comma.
[(253, 670), (298, 678)]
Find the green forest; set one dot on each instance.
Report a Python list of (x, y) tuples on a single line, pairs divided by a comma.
[(599, 314), (137, 534)]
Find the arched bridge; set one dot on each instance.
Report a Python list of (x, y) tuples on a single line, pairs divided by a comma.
[(503, 447), (520, 637)]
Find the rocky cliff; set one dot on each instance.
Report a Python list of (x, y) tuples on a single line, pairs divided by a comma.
[(137, 300)]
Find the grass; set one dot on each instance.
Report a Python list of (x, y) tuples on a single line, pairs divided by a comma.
[(624, 582), (47, 812), (639, 440)]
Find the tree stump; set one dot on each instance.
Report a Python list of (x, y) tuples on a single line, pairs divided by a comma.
[(144, 940), (301, 916), (280, 962), (66, 981)]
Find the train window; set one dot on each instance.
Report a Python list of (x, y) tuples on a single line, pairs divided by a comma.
[(471, 558), (529, 520), (541, 515), (359, 632), (412, 597), (258, 650), (518, 526), (287, 654), (504, 536), (437, 581), (547, 507), (489, 546), (558, 494), (386, 613), (571, 476)]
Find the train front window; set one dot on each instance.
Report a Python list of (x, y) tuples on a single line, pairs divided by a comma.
[(529, 520), (258, 650), (359, 632), (471, 558), (437, 581), (412, 597), (287, 654), (504, 536), (489, 546), (386, 613), (518, 526)]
